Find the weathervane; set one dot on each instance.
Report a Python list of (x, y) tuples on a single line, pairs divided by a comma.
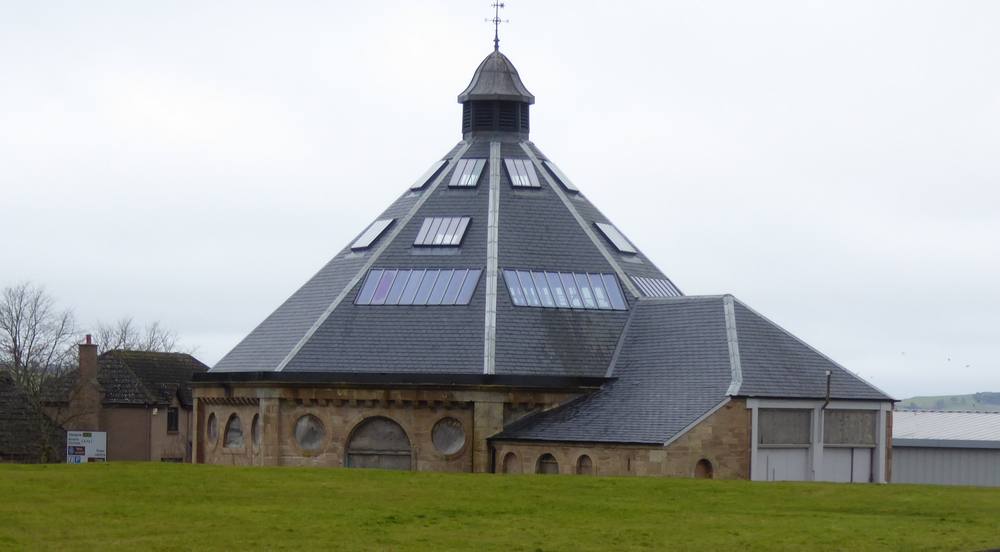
[(497, 6)]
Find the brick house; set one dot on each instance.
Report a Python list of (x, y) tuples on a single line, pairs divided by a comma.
[(492, 319), (141, 399)]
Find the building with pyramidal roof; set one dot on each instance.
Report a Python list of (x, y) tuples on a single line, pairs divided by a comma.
[(492, 319)]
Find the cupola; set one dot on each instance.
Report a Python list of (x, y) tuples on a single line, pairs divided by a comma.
[(496, 101)]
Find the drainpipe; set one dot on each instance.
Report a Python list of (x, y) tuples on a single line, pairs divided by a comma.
[(829, 376)]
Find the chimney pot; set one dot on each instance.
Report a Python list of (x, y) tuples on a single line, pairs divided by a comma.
[(88, 339)]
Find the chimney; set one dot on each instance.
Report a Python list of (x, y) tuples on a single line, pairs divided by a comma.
[(85, 401), (88, 361)]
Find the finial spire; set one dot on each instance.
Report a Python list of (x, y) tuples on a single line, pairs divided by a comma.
[(497, 6)]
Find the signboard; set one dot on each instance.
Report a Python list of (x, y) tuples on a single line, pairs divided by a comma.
[(86, 446)]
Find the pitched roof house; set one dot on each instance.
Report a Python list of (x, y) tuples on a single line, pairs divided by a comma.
[(493, 319), (142, 399)]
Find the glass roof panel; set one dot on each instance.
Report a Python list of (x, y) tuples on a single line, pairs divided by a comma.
[(514, 288), (429, 175), (558, 293), (562, 178), (365, 295), (441, 286), (614, 292), (425, 287), (542, 285), (372, 233), (410, 291), (615, 237), (468, 287), (530, 295)]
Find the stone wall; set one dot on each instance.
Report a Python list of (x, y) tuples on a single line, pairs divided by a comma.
[(723, 439), (479, 413)]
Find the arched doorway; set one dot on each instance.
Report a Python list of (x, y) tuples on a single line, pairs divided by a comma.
[(379, 443), (547, 464), (703, 469), (510, 463)]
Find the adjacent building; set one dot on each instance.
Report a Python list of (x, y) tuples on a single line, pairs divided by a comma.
[(492, 319), (948, 448), (141, 399)]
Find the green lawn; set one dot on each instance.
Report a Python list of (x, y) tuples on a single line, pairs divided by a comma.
[(180, 507)]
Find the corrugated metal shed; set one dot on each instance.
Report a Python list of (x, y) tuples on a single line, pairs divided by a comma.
[(948, 448), (947, 429)]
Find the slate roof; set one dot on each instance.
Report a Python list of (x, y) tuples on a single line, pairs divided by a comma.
[(139, 378), (673, 359), (26, 433), (679, 358)]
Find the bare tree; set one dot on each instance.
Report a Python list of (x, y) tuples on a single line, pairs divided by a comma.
[(36, 352), (36, 338), (126, 334)]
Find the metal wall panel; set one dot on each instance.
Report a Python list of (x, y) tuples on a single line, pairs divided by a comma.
[(946, 466)]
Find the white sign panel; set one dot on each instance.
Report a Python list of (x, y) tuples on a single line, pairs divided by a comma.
[(86, 446)]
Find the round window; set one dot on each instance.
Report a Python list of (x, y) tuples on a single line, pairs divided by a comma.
[(213, 428), (255, 430), (448, 436), (309, 432)]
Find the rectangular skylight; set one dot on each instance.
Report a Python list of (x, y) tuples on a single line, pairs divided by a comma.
[(562, 178), (467, 173), (656, 287), (372, 233), (442, 231), (392, 286), (522, 173), (564, 290), (615, 237), (429, 175)]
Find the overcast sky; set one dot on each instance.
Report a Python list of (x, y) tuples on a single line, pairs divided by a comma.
[(835, 165)]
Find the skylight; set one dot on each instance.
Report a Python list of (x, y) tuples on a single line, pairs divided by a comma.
[(564, 290), (442, 231), (615, 237), (390, 286), (656, 287), (467, 173), (562, 178), (522, 173), (429, 175), (372, 233)]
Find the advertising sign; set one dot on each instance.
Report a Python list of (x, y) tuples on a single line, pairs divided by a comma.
[(86, 446)]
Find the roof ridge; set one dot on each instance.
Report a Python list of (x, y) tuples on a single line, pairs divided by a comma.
[(733, 344), (621, 341)]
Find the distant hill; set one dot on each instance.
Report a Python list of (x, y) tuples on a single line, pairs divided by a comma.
[(976, 401)]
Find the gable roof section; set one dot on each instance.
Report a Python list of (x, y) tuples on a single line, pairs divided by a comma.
[(775, 363), (673, 367), (682, 357)]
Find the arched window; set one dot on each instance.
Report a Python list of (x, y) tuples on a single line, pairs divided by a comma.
[(448, 436), (310, 433), (255, 431), (584, 465), (234, 433), (212, 428), (379, 443), (510, 463), (547, 464), (703, 469)]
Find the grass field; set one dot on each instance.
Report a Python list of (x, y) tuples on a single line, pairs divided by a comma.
[(181, 507)]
